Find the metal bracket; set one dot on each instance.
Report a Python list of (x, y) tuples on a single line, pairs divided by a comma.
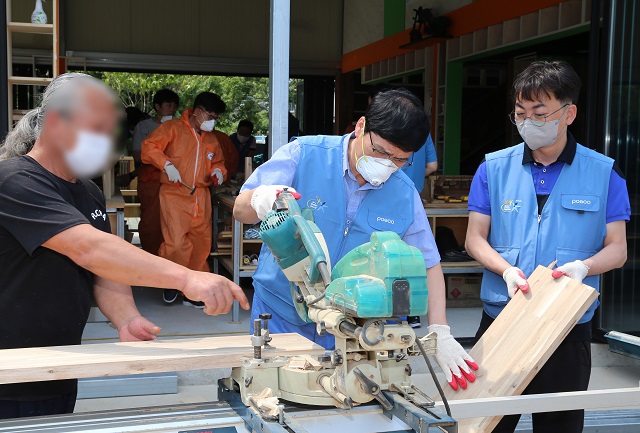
[(254, 423), (420, 420)]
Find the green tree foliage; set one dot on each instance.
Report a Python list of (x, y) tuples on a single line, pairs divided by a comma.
[(246, 97)]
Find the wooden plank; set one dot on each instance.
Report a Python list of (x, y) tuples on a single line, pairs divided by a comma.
[(17, 27), (132, 210), (112, 359), (522, 339), (30, 81), (602, 399)]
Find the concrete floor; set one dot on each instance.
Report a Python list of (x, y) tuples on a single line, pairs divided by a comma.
[(177, 320)]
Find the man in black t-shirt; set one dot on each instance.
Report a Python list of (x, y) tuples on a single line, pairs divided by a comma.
[(56, 249)]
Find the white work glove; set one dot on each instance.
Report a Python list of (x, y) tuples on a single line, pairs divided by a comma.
[(265, 196), (576, 270), (515, 280), (453, 360), (172, 172), (217, 177)]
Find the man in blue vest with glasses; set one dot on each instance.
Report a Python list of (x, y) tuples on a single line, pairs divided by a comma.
[(547, 199), (354, 186)]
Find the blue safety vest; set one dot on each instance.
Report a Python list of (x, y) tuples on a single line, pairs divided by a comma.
[(572, 225), (319, 178)]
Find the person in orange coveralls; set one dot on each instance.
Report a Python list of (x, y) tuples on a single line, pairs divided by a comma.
[(191, 158), (165, 104)]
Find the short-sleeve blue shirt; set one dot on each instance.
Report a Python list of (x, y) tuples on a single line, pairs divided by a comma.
[(417, 171), (430, 151), (544, 179)]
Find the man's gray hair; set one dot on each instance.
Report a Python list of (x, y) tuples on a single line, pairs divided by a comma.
[(62, 95)]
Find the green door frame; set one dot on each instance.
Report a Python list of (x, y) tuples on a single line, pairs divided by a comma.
[(394, 13), (453, 94)]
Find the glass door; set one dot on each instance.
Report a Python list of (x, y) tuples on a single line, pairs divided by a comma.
[(620, 298)]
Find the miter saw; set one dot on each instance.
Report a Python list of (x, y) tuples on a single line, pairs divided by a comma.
[(360, 301)]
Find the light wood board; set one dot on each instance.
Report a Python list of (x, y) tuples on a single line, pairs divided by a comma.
[(521, 340), (112, 359), (600, 400)]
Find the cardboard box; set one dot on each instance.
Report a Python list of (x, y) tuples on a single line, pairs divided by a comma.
[(462, 287)]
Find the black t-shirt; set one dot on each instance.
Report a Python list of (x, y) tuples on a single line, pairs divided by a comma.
[(45, 297)]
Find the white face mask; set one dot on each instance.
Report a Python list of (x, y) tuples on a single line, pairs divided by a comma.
[(165, 118), (537, 137), (242, 138), (90, 155), (208, 125), (374, 170)]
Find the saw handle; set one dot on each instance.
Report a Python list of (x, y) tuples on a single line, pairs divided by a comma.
[(315, 251), (372, 388)]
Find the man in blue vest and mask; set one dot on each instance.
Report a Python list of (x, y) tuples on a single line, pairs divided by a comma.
[(424, 162), (547, 199), (354, 186)]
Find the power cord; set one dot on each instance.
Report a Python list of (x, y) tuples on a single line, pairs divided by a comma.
[(433, 375)]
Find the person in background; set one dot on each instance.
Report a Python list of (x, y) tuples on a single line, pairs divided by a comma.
[(230, 154), (165, 104), (244, 141), (424, 162), (190, 156), (56, 246), (293, 129), (134, 115), (544, 200), (354, 187), (351, 127)]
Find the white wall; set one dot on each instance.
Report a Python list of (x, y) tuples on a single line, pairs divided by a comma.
[(363, 23), (220, 29), (364, 19)]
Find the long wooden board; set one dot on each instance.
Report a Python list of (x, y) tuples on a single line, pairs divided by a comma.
[(521, 340), (112, 359)]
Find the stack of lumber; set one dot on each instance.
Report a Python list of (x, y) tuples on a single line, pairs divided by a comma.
[(224, 242)]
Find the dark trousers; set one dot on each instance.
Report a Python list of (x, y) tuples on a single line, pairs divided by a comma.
[(52, 406), (568, 369)]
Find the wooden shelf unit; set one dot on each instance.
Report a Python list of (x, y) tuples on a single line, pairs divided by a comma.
[(456, 217), (232, 261), (13, 27)]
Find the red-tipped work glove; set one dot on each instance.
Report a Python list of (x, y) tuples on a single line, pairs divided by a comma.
[(265, 196), (515, 280), (576, 270), (453, 360), (217, 177)]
